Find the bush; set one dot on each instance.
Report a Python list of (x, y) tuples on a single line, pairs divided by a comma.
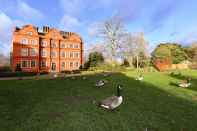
[(86, 65), (95, 58), (17, 74), (143, 61), (5, 69), (66, 72), (76, 71), (171, 51), (125, 63), (18, 68), (109, 67)]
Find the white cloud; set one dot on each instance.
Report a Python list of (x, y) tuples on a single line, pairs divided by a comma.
[(6, 28), (27, 12), (72, 7), (69, 23)]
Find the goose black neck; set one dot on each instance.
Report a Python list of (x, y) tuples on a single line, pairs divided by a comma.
[(118, 92)]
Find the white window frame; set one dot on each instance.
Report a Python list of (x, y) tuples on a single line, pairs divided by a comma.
[(71, 62), (31, 63), (32, 54), (70, 45), (43, 43), (43, 61), (77, 62), (63, 68), (62, 45), (25, 52), (76, 46), (28, 64), (55, 53), (24, 41), (71, 55), (34, 42), (43, 53), (53, 44)]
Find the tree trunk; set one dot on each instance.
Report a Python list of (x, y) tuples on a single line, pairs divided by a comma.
[(137, 63)]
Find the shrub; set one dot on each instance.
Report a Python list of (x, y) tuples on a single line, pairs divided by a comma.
[(17, 74), (5, 69), (125, 63), (95, 58), (18, 68), (171, 51)]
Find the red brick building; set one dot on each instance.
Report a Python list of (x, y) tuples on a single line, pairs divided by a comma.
[(46, 50)]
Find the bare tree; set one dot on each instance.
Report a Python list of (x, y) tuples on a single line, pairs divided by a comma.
[(133, 45), (112, 31)]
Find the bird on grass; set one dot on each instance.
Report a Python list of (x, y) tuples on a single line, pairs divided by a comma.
[(73, 78), (185, 83), (100, 83), (139, 78), (113, 102), (37, 76), (84, 78)]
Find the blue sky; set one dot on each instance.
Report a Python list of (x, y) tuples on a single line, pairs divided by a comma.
[(160, 20)]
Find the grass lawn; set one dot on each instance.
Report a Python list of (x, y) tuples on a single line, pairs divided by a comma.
[(70, 105)]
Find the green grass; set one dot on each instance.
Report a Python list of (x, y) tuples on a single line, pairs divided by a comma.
[(69, 105)]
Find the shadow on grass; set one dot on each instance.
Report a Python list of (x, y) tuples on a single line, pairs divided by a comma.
[(32, 105)]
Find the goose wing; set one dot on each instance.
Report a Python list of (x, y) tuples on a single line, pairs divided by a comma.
[(108, 101)]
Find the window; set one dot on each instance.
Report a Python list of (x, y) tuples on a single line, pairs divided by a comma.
[(77, 64), (33, 52), (29, 33), (53, 44), (43, 53), (43, 43), (24, 41), (33, 63), (43, 64), (71, 45), (71, 64), (53, 54), (62, 54), (63, 66), (53, 66), (24, 52), (71, 54), (34, 42), (25, 63), (76, 46), (62, 45), (76, 54)]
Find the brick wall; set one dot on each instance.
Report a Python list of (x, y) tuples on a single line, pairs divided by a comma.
[(30, 52)]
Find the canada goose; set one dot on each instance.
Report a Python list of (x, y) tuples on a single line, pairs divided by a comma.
[(100, 83), (106, 74), (185, 83), (73, 78), (140, 78), (112, 102), (84, 78), (63, 76), (55, 75), (37, 76)]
